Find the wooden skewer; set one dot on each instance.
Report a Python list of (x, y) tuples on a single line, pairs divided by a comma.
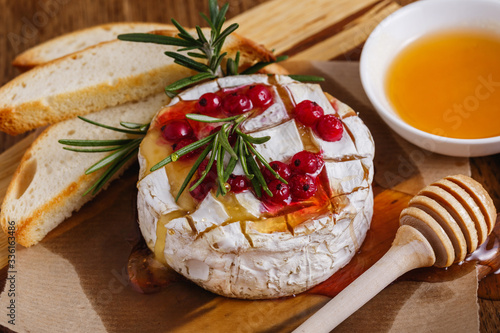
[(428, 236)]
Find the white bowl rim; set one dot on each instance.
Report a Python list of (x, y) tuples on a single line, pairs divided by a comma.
[(375, 99)]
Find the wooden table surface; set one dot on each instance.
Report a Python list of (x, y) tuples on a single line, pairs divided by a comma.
[(26, 23)]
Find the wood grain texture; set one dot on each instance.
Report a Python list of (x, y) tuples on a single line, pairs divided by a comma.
[(26, 23), (346, 44), (489, 314), (287, 31)]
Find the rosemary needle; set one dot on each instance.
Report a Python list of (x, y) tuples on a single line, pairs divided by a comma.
[(122, 150), (217, 145)]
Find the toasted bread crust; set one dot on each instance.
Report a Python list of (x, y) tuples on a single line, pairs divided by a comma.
[(24, 227), (19, 118), (34, 56), (28, 116), (20, 233)]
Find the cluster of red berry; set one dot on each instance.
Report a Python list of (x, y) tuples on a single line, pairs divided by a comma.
[(327, 127), (235, 102), (180, 133), (302, 171), (237, 183), (301, 174)]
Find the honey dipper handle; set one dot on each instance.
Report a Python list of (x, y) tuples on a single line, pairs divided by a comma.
[(409, 250)]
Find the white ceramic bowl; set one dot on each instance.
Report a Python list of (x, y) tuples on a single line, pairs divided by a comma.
[(401, 28)]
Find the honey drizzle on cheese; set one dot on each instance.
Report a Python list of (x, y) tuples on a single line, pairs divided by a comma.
[(234, 209), (154, 148), (161, 233), (307, 138)]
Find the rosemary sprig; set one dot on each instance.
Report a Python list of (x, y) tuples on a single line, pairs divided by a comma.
[(122, 150), (208, 50), (195, 167), (307, 78), (183, 151), (217, 145)]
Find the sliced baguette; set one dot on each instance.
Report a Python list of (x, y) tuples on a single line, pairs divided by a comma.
[(48, 185), (81, 39), (98, 77)]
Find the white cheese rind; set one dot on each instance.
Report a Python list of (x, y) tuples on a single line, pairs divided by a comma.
[(302, 91), (284, 143), (278, 264), (235, 259), (273, 115), (153, 200), (336, 150), (194, 94), (347, 176), (210, 213), (248, 201), (363, 139)]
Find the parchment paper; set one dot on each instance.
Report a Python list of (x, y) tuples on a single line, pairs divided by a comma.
[(76, 281)]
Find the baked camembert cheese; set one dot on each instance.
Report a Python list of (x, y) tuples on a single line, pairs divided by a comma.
[(240, 245)]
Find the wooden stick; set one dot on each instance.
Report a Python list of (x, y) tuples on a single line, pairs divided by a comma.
[(423, 239), (282, 24), (409, 250), (353, 36)]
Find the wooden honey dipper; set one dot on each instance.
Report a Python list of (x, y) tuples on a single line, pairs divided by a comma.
[(442, 223)]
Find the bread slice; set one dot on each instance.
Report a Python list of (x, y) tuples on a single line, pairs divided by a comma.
[(49, 183), (98, 77), (79, 40)]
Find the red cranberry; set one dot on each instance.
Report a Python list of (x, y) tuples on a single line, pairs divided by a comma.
[(176, 129), (238, 183), (280, 191), (208, 103), (281, 169), (200, 192), (260, 95), (212, 174), (329, 128), (308, 112), (306, 162), (183, 143), (302, 187), (236, 103)]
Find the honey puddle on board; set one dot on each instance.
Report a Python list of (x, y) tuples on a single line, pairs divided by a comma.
[(448, 84)]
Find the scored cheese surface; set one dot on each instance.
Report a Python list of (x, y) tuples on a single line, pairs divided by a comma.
[(230, 244)]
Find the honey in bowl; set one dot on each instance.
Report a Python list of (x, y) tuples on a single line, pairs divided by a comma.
[(448, 84)]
